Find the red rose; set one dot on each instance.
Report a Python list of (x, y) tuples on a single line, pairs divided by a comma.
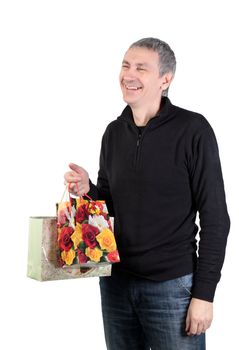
[(88, 234), (82, 258), (65, 242), (82, 213), (113, 256)]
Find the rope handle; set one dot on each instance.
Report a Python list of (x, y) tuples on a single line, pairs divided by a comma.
[(67, 188), (78, 192)]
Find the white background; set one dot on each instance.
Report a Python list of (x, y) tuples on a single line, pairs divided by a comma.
[(58, 91)]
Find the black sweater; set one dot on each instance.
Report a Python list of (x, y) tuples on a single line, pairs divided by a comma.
[(154, 184)]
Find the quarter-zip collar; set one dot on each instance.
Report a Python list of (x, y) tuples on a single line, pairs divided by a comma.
[(166, 112)]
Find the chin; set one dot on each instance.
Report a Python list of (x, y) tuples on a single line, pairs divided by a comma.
[(129, 101)]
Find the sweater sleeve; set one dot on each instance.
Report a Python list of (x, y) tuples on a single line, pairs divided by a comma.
[(101, 191), (209, 198)]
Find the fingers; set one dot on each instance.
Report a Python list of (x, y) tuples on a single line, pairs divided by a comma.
[(187, 324), (76, 174), (72, 176), (76, 168), (82, 189), (73, 188), (195, 328), (78, 189)]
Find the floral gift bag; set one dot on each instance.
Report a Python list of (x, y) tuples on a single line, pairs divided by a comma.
[(85, 234)]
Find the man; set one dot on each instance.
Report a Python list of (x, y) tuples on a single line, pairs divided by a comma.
[(159, 166)]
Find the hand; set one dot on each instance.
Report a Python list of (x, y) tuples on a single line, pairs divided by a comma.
[(199, 317), (78, 179)]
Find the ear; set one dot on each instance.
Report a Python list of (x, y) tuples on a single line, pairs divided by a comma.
[(166, 80)]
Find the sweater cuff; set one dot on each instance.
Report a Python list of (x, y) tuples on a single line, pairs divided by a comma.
[(204, 290), (93, 192)]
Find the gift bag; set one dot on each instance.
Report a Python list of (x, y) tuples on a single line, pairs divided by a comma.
[(85, 233), (43, 254)]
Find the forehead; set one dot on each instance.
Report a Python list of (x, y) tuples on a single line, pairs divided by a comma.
[(141, 55)]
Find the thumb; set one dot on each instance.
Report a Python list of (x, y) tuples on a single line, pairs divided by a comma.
[(75, 168)]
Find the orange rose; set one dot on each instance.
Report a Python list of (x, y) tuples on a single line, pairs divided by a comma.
[(94, 254), (68, 257), (106, 240)]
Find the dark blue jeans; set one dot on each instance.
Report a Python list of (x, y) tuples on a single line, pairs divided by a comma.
[(139, 314)]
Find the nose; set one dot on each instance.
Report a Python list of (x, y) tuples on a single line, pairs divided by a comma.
[(129, 74), (129, 79)]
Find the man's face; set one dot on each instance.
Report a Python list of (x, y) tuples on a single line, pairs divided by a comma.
[(140, 80)]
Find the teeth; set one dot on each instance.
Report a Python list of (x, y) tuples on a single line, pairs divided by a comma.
[(132, 87)]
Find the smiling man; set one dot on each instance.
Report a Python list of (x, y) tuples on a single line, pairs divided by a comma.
[(159, 167)]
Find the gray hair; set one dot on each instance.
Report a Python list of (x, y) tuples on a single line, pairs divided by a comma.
[(167, 60)]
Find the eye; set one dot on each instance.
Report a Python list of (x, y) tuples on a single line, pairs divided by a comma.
[(125, 66), (141, 69)]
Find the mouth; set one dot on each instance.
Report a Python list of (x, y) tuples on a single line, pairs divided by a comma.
[(132, 87)]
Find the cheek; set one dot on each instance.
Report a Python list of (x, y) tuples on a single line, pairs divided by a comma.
[(155, 86), (120, 76)]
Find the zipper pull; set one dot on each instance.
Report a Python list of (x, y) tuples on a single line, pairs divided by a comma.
[(139, 138)]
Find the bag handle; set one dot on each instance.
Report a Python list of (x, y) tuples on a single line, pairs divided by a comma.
[(78, 192), (67, 188)]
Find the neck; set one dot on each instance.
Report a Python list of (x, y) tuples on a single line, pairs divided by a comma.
[(143, 115)]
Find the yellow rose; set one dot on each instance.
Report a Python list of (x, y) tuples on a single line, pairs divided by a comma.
[(76, 236), (106, 240), (96, 207), (80, 201), (94, 254), (68, 257), (93, 209)]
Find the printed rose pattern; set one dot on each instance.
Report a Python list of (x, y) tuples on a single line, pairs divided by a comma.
[(85, 234)]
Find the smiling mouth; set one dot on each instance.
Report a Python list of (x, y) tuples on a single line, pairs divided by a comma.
[(132, 88)]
